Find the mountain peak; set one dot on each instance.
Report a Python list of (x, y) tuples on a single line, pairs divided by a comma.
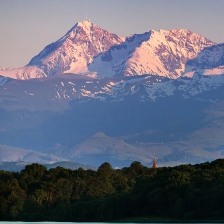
[(76, 49), (84, 23)]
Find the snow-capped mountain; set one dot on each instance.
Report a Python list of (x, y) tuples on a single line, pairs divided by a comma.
[(89, 50), (146, 66), (162, 53), (75, 50)]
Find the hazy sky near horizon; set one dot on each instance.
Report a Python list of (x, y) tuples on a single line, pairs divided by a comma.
[(27, 26)]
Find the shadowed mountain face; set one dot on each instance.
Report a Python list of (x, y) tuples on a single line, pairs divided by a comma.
[(94, 97), (208, 58)]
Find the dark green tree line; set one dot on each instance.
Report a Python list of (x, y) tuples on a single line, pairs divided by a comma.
[(185, 192)]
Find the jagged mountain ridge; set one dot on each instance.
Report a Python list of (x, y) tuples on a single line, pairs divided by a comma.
[(90, 50), (162, 53)]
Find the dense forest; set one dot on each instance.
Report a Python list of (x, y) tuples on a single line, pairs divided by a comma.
[(185, 192)]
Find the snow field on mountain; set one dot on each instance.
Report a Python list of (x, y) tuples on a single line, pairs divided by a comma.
[(27, 72), (215, 71), (205, 72)]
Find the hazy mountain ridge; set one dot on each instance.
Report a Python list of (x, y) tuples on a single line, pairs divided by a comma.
[(24, 73), (8, 153), (18, 166)]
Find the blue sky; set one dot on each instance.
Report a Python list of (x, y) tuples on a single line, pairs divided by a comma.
[(27, 26)]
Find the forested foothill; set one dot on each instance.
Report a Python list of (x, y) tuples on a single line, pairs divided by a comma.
[(183, 193)]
